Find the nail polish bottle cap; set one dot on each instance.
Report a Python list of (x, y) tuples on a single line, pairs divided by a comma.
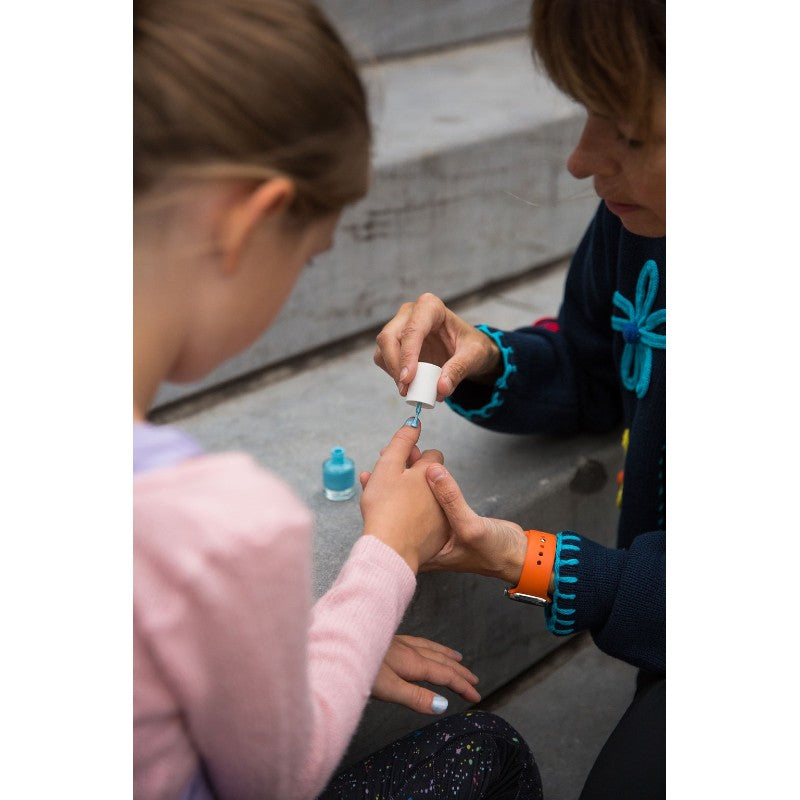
[(423, 387)]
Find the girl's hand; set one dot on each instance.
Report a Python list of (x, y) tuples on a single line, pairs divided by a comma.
[(411, 658), (486, 546), (397, 505), (428, 330)]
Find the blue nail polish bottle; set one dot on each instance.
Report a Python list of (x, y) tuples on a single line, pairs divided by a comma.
[(339, 476)]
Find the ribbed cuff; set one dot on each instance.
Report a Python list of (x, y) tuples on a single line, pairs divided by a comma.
[(500, 385), (560, 614)]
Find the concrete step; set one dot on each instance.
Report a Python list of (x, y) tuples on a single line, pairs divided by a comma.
[(376, 29), (566, 707), (289, 419), (470, 187)]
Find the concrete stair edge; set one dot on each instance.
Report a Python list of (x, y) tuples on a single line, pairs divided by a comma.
[(377, 29)]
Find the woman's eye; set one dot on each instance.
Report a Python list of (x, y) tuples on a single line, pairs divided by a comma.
[(633, 144)]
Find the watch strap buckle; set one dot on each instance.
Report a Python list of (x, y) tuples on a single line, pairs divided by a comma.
[(531, 599)]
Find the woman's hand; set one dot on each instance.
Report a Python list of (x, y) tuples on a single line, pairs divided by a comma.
[(411, 658), (486, 546), (397, 504), (429, 331)]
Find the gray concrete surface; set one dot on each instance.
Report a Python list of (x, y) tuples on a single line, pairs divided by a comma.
[(290, 421), (375, 29), (470, 187), (565, 708)]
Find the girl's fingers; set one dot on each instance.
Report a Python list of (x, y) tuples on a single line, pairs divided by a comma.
[(395, 455), (448, 675), (440, 658), (419, 641), (416, 697), (441, 654), (414, 457), (415, 452), (447, 666)]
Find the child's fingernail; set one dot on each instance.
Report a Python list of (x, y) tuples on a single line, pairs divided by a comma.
[(412, 422), (439, 704), (458, 655), (436, 473), (403, 373)]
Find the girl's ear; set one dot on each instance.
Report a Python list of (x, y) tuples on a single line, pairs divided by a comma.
[(269, 199)]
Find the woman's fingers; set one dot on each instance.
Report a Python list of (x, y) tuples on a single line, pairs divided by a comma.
[(387, 350), (448, 495), (432, 457), (427, 316)]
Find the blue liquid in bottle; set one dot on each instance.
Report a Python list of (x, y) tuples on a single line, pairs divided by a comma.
[(339, 476)]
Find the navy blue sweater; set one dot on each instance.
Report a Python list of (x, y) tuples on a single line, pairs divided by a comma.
[(605, 365)]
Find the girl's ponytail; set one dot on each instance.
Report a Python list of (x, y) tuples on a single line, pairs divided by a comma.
[(248, 89)]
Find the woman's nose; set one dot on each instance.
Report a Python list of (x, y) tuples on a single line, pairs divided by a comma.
[(592, 155)]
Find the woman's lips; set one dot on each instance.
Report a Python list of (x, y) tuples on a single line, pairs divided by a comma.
[(620, 208)]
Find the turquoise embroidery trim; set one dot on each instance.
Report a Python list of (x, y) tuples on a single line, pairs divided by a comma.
[(500, 385), (559, 615), (638, 330)]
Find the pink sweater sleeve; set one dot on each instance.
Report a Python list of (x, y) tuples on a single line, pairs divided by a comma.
[(231, 662)]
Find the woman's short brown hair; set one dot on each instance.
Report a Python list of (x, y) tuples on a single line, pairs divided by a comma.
[(248, 89), (609, 55)]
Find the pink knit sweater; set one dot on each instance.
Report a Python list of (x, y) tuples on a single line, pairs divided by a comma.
[(231, 661)]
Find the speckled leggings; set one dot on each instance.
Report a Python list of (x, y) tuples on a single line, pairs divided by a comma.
[(469, 755)]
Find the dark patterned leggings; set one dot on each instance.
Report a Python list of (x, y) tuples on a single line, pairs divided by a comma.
[(465, 756)]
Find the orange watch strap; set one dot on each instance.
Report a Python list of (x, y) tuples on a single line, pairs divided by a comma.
[(536, 569)]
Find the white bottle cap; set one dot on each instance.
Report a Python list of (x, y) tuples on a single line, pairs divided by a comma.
[(423, 387)]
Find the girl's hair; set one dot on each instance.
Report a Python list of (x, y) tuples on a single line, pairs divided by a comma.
[(609, 55), (248, 89)]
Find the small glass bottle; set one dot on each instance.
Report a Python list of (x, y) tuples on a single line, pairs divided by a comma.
[(339, 476)]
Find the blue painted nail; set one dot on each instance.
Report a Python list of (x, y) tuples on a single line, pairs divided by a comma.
[(439, 704), (412, 422)]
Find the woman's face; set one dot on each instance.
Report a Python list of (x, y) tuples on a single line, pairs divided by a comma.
[(628, 167)]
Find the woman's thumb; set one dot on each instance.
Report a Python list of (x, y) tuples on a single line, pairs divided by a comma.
[(448, 494)]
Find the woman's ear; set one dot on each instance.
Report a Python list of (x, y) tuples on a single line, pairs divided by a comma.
[(269, 199)]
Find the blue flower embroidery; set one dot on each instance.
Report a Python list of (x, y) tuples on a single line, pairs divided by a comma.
[(638, 331)]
